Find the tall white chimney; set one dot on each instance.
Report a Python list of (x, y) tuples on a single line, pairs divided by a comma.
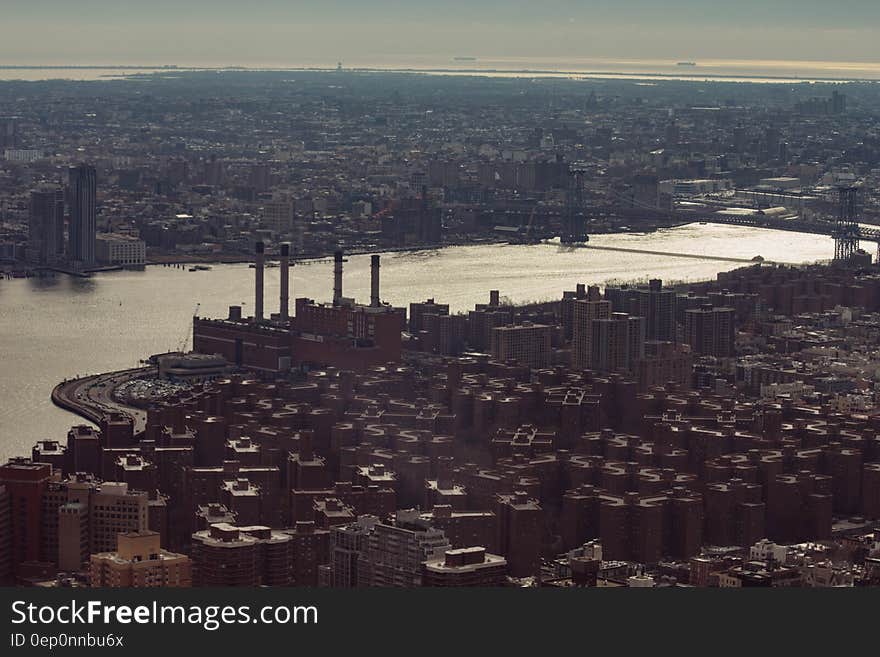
[(258, 281), (285, 282), (374, 281), (337, 278)]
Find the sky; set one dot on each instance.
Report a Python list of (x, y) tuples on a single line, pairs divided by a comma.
[(421, 32)]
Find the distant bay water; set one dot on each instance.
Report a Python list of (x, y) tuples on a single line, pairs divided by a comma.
[(763, 71)]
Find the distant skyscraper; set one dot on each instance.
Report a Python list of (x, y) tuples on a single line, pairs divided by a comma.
[(585, 311), (46, 225), (838, 102), (617, 343), (215, 172), (526, 343), (82, 229), (771, 142), (260, 177), (710, 331), (8, 132), (740, 139), (655, 303), (646, 192)]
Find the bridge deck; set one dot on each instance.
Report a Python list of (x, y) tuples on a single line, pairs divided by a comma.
[(795, 225)]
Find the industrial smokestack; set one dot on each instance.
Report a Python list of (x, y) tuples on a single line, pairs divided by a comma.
[(337, 278), (258, 282), (374, 281), (285, 282)]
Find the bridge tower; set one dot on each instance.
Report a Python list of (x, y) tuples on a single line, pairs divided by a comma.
[(846, 232), (574, 228)]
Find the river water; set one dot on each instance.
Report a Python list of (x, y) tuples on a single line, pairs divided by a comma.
[(60, 327)]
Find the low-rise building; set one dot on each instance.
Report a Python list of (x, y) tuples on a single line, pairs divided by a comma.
[(471, 566), (116, 249), (140, 562)]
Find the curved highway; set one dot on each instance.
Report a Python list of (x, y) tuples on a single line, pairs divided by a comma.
[(91, 397)]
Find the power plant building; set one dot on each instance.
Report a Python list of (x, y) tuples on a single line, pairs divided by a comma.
[(342, 333)]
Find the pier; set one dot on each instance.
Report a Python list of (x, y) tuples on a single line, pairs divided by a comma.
[(667, 254)]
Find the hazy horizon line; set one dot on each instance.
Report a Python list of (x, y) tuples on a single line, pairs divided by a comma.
[(707, 62)]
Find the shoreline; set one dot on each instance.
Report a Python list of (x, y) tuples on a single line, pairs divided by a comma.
[(232, 259), (180, 260), (140, 71), (74, 396), (172, 259)]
